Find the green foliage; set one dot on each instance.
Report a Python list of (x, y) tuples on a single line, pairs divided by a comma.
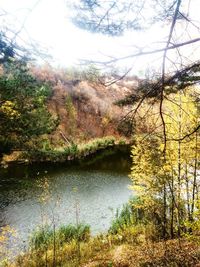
[(96, 144), (51, 155), (43, 237), (122, 220), (193, 226), (130, 215), (70, 232), (122, 141), (5, 144), (7, 48), (23, 113), (73, 151), (46, 145)]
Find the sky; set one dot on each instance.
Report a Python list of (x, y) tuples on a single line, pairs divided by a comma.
[(47, 23)]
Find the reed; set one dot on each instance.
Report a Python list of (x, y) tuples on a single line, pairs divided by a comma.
[(129, 215), (44, 237)]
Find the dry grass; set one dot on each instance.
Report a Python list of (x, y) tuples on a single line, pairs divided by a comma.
[(103, 251), (161, 254)]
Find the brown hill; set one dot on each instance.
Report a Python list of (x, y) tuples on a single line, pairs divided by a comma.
[(84, 108)]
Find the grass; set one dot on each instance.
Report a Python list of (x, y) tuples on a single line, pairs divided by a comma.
[(67, 233), (43, 237), (96, 144), (128, 216), (122, 219), (103, 250), (70, 152)]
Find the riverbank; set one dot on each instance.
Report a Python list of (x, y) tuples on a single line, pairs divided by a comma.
[(72, 152), (128, 242), (98, 184)]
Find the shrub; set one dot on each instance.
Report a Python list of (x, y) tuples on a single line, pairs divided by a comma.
[(122, 141)]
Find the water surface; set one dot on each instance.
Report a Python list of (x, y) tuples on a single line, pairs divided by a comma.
[(89, 192)]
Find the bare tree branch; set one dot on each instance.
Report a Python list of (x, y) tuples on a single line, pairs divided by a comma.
[(163, 73), (185, 136), (141, 53)]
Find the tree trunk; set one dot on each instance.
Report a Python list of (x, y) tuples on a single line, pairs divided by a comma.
[(195, 177), (187, 192), (179, 168), (164, 212), (172, 210)]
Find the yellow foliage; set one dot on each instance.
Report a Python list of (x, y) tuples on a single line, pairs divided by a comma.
[(9, 109)]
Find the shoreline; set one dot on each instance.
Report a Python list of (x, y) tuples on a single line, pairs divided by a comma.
[(68, 155)]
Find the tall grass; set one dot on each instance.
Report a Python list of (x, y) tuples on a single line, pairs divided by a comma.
[(67, 233), (130, 215), (43, 237)]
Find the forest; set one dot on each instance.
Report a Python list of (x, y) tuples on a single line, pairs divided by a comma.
[(100, 163)]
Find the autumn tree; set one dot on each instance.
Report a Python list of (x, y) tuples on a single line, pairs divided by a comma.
[(167, 184)]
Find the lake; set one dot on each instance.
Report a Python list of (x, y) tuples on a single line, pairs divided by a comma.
[(89, 191)]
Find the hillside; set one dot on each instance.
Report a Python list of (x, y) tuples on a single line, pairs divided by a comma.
[(85, 109), (62, 111)]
